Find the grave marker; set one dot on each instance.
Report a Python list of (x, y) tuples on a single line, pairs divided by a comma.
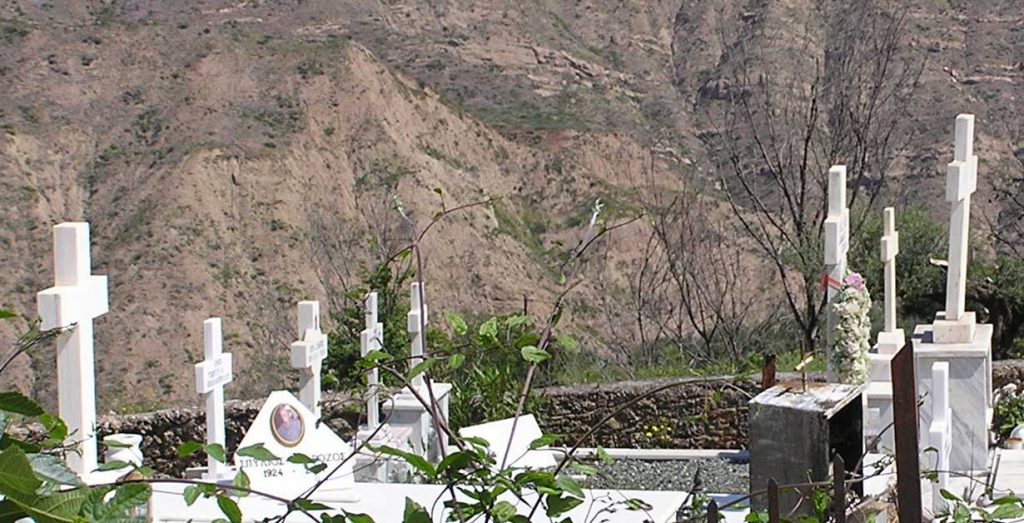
[(211, 377), (837, 244), (957, 325), (940, 434), (308, 354), (520, 455), (75, 300), (417, 314), (372, 339), (891, 338)]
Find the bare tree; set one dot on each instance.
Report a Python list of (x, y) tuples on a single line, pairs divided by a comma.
[(781, 117)]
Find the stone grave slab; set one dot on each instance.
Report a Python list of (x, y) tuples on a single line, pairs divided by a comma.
[(286, 427), (498, 433)]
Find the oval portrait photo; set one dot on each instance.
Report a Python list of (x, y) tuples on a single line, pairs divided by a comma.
[(286, 424)]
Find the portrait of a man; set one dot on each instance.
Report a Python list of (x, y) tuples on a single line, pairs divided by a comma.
[(286, 424)]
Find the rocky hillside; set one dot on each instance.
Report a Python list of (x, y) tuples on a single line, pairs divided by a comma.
[(236, 157)]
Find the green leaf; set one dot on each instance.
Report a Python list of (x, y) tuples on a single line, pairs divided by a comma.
[(420, 368), (517, 320), (457, 324), (242, 484), (306, 504), (230, 509), (128, 497), (961, 514), (300, 459), (503, 511), (568, 343), (558, 505), (534, 355), (456, 361), (16, 403), (189, 448), (602, 456), (418, 462), (191, 494), (16, 473), (6, 314), (113, 465), (570, 486), (257, 452), (948, 495), (358, 518), (544, 441), (48, 467), (489, 330), (1008, 512), (216, 451), (414, 513), (583, 468)]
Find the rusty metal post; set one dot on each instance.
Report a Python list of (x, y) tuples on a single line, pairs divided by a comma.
[(838, 489), (713, 511), (773, 501), (904, 406), (768, 372)]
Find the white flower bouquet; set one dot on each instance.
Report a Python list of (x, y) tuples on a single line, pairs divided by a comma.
[(852, 333)]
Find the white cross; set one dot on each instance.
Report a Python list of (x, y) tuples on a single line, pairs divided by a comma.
[(75, 300), (961, 182), (372, 339), (211, 377), (308, 354), (837, 243), (940, 434), (415, 334), (890, 248)]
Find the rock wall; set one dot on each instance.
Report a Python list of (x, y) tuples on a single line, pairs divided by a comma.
[(708, 413)]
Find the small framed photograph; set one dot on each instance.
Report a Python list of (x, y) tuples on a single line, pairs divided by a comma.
[(287, 426)]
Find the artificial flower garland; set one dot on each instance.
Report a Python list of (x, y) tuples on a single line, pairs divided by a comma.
[(852, 333)]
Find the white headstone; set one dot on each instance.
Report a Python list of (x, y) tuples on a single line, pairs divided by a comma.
[(837, 244), (497, 435), (418, 318), (285, 427), (940, 435), (308, 354), (957, 325), (372, 339), (891, 339), (212, 375), (75, 300)]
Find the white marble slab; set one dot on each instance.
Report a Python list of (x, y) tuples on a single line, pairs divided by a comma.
[(498, 433)]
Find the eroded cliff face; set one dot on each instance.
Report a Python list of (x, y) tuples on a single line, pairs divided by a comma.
[(234, 158)]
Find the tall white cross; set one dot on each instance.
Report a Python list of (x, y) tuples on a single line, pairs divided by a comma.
[(415, 333), (372, 339), (961, 182), (837, 243), (891, 338), (211, 377), (308, 354), (75, 300)]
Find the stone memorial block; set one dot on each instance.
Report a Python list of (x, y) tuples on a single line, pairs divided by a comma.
[(498, 433), (285, 427), (795, 432)]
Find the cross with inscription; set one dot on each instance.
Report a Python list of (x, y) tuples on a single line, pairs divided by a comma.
[(75, 300), (308, 354), (211, 377), (837, 244)]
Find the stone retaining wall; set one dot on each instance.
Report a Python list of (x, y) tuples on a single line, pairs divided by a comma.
[(697, 413)]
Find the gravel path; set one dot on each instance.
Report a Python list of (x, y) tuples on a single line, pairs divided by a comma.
[(719, 476)]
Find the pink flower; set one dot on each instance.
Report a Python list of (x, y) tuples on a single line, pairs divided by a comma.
[(855, 280)]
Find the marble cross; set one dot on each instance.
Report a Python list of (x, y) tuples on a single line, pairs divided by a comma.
[(837, 243), (308, 354), (940, 433), (75, 300), (211, 377), (372, 339), (891, 338), (417, 299)]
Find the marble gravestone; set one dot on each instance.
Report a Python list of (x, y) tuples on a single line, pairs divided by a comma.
[(308, 353), (285, 427), (498, 433), (955, 337), (76, 299), (212, 374), (837, 244), (878, 413)]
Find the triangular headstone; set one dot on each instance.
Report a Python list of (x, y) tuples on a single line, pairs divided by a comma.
[(286, 427)]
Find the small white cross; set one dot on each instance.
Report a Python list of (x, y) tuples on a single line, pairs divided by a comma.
[(961, 182), (415, 333), (76, 299), (211, 377), (308, 354), (890, 248), (940, 433), (372, 339)]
